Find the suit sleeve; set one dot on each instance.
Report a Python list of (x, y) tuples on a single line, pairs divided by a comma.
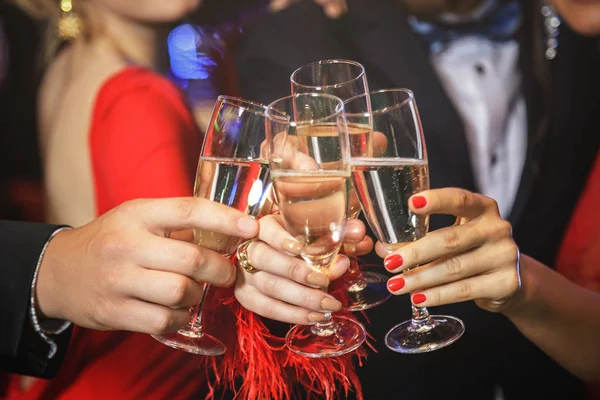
[(147, 147), (22, 349)]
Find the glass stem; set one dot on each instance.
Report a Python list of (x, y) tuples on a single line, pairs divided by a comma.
[(421, 321), (196, 320), (356, 281), (327, 327)]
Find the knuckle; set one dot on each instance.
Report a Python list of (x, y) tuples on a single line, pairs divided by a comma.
[(454, 266), (463, 199), (267, 309), (491, 204), (270, 285), (195, 261), (163, 322), (295, 269), (451, 240), (178, 291), (112, 244), (311, 299), (111, 278), (230, 276), (465, 291), (503, 229), (186, 209), (412, 253)]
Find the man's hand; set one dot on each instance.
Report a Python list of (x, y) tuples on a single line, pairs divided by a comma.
[(123, 272)]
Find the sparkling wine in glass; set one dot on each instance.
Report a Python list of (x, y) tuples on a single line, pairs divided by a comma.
[(231, 171), (309, 160), (346, 79), (384, 181)]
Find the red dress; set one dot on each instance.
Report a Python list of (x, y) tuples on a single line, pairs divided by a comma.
[(143, 143)]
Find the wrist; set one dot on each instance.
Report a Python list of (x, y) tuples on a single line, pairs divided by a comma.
[(523, 304), (47, 297)]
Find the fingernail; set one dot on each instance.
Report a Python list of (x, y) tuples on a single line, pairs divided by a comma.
[(395, 284), (318, 279), (247, 225), (292, 246), (316, 317), (419, 202), (330, 304), (419, 298), (393, 262)]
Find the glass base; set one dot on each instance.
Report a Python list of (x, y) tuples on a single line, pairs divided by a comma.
[(340, 336), (431, 334), (367, 292), (194, 341)]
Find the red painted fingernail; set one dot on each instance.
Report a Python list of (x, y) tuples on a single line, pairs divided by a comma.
[(395, 284), (392, 262), (419, 298), (419, 201)]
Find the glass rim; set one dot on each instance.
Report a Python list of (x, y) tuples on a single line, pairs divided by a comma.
[(330, 61), (242, 103), (410, 99), (284, 118)]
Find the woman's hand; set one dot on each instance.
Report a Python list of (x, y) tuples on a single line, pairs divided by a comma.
[(121, 271), (285, 288), (476, 259)]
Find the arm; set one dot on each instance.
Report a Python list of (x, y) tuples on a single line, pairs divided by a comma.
[(22, 349), (560, 317)]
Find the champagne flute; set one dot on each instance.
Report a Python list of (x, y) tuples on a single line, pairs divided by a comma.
[(384, 181), (309, 161), (346, 79), (231, 171)]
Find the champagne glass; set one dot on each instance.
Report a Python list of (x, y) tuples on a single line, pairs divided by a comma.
[(231, 171), (346, 79), (309, 161), (384, 181)]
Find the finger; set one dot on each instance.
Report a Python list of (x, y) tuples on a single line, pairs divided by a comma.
[(162, 288), (252, 299), (495, 286), (381, 250), (339, 266), (274, 234), (355, 231), (139, 316), (195, 262), (452, 201), (264, 258), (484, 260), (293, 293), (445, 241), (166, 215), (364, 247)]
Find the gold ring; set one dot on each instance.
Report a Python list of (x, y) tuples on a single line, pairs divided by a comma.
[(242, 257)]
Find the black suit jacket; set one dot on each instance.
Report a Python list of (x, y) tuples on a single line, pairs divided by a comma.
[(21, 349), (563, 106)]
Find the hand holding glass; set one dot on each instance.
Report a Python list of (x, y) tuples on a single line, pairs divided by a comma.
[(309, 161), (231, 171)]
